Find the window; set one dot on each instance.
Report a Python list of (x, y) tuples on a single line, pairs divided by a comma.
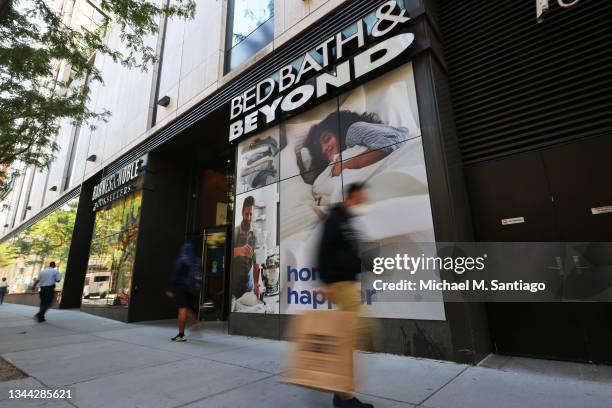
[(74, 146), (111, 257), (250, 28), (31, 250), (73, 151)]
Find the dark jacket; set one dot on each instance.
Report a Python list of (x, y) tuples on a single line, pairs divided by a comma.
[(179, 282), (339, 258)]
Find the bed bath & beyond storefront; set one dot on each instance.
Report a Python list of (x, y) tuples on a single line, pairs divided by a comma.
[(354, 101), (248, 175)]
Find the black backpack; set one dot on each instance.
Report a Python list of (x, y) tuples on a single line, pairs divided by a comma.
[(194, 277)]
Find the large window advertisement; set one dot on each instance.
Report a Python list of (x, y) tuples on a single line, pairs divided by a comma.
[(111, 257), (23, 256), (370, 134)]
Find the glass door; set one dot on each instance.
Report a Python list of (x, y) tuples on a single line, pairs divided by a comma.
[(213, 300)]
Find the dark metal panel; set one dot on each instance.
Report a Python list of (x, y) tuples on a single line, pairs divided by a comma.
[(518, 85), (78, 255), (450, 206), (254, 324), (161, 233), (512, 187), (111, 312)]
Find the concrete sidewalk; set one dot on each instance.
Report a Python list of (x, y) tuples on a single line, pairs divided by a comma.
[(111, 364)]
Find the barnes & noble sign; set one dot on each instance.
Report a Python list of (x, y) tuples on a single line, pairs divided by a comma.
[(119, 184)]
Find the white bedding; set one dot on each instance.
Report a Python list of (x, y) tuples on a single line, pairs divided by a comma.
[(399, 186), (402, 173), (400, 206)]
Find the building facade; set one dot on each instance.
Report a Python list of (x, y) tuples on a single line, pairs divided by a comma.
[(259, 113)]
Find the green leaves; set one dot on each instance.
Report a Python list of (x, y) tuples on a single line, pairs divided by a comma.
[(46, 69), (47, 240)]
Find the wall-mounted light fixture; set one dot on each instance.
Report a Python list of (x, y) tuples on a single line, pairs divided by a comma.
[(54, 188), (92, 158), (5, 225), (29, 207), (164, 101)]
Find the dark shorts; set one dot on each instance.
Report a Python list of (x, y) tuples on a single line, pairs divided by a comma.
[(184, 299)]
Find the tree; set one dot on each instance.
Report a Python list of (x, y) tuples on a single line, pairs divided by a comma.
[(8, 254), (49, 239), (38, 46)]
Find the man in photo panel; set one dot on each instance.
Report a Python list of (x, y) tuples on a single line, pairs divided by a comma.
[(255, 268)]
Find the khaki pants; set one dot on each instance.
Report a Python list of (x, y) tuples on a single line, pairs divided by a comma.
[(347, 296)]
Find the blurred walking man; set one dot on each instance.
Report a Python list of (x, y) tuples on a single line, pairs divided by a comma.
[(47, 278), (339, 264), (3, 290)]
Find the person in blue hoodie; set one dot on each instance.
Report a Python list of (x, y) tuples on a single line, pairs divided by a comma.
[(184, 288)]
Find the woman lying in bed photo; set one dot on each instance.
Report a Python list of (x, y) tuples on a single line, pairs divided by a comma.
[(325, 141)]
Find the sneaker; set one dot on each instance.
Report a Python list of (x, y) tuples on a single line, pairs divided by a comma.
[(350, 403), (41, 319), (179, 337)]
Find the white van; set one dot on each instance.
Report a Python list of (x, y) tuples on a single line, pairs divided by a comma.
[(96, 285)]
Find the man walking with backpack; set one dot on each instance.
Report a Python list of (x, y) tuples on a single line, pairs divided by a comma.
[(185, 287)]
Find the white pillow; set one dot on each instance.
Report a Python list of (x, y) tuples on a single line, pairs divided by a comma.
[(296, 133), (325, 187), (296, 136), (288, 162), (306, 158)]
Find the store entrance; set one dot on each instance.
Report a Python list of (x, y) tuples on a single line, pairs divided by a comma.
[(209, 228), (560, 195), (192, 188), (214, 299)]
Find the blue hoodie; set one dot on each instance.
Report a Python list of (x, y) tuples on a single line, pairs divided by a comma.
[(180, 277)]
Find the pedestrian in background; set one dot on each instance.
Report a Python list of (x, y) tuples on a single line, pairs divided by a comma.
[(185, 287), (339, 263), (3, 290), (47, 278)]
